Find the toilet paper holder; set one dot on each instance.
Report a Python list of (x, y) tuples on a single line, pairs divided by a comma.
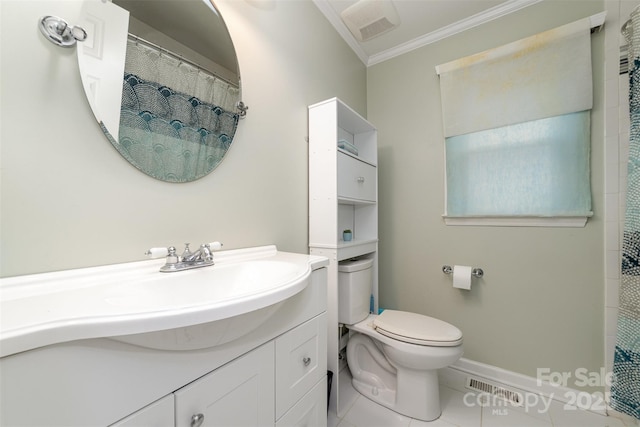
[(475, 272)]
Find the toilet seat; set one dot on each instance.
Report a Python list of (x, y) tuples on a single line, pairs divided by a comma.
[(417, 329)]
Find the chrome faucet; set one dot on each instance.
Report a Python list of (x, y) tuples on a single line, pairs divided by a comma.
[(203, 257)]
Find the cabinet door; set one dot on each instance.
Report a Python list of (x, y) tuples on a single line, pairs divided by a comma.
[(240, 393), (356, 179), (301, 361), (311, 411), (157, 414)]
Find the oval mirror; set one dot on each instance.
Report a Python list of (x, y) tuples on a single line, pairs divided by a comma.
[(162, 80)]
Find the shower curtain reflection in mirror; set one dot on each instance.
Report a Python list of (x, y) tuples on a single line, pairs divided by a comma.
[(176, 119)]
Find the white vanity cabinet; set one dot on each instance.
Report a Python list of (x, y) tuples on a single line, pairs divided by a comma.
[(310, 411), (263, 385), (301, 362), (245, 400), (283, 380), (274, 375), (343, 194)]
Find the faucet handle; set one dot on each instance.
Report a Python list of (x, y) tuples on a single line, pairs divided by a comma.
[(205, 252), (214, 246), (157, 252)]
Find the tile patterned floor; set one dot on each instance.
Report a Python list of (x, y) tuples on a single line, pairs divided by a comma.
[(456, 413)]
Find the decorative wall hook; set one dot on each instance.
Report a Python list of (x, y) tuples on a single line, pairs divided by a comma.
[(58, 31)]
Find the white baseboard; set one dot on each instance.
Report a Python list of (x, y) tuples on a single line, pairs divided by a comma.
[(455, 376)]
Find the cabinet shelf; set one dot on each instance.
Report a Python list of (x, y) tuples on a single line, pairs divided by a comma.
[(357, 248), (340, 150), (356, 242), (344, 245), (356, 202)]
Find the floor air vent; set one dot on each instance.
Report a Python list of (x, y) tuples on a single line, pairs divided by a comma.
[(513, 397)]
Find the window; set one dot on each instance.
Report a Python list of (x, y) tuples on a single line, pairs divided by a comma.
[(517, 131)]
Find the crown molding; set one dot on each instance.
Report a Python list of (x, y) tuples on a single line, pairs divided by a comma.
[(442, 33), (488, 15)]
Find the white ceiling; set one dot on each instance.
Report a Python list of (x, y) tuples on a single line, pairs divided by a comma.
[(421, 22)]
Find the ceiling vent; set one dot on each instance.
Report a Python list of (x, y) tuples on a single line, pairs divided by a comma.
[(370, 18)]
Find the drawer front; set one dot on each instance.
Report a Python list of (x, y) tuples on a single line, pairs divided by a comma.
[(159, 413), (239, 393), (356, 179), (301, 361), (311, 410)]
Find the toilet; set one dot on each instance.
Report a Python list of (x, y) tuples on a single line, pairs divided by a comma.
[(393, 357)]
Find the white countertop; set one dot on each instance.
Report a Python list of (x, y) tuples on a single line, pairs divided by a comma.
[(132, 298)]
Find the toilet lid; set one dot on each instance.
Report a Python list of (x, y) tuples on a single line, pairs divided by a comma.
[(417, 329)]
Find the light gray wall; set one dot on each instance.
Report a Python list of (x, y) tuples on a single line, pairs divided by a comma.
[(540, 304), (70, 200)]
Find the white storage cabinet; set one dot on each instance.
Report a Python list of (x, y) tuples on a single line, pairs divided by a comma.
[(343, 194)]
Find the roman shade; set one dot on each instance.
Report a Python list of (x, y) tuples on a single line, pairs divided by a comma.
[(544, 75), (517, 128)]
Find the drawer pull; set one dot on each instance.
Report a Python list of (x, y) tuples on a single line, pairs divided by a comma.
[(196, 420), (361, 179), (306, 361)]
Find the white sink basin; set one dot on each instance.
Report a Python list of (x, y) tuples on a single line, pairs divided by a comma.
[(136, 303), (204, 286)]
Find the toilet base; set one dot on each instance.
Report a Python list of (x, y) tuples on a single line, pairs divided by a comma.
[(398, 375), (418, 397), (384, 397)]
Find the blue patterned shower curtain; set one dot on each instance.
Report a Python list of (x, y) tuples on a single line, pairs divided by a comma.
[(625, 389)]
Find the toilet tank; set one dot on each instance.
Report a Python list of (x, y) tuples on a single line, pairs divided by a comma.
[(355, 278)]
